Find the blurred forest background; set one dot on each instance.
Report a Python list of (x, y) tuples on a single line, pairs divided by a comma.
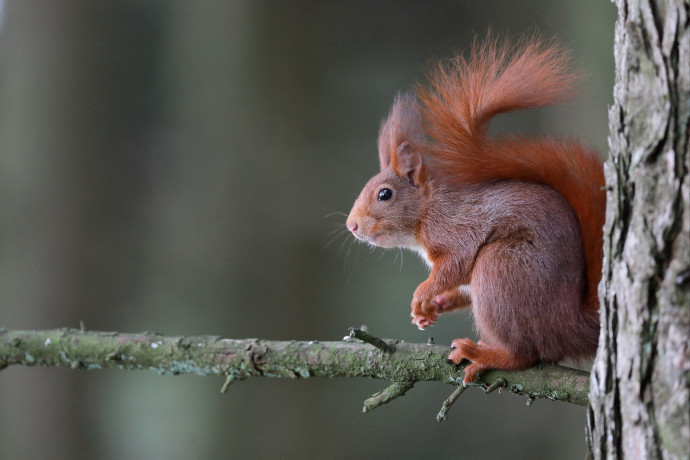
[(174, 166)]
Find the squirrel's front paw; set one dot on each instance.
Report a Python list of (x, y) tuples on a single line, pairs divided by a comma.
[(424, 313), (444, 301), (452, 300)]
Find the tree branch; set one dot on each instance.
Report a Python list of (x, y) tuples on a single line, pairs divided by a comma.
[(241, 359)]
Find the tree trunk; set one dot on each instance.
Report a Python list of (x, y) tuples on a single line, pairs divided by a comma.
[(641, 377)]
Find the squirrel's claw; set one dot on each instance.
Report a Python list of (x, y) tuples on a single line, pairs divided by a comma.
[(423, 322)]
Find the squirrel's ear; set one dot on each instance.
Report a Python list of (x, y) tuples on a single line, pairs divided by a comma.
[(407, 162), (404, 123)]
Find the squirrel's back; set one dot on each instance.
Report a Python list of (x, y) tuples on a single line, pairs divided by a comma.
[(465, 94)]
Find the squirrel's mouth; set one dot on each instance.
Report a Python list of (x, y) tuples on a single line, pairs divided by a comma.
[(369, 239)]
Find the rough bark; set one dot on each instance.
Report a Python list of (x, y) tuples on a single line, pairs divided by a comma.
[(640, 382), (401, 363)]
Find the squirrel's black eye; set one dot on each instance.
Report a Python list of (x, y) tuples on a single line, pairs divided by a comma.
[(385, 194)]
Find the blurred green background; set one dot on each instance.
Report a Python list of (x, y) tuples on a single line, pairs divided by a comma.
[(174, 166)]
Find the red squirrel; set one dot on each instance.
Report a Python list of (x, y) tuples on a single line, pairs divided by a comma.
[(510, 227)]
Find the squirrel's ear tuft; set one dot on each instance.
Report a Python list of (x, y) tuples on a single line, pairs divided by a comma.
[(404, 123), (406, 161), (385, 146)]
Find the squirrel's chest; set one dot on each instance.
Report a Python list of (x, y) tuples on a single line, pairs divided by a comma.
[(423, 254)]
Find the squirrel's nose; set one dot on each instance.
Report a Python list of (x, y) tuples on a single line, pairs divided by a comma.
[(352, 225)]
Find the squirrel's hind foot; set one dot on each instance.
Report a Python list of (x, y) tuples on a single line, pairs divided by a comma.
[(485, 357)]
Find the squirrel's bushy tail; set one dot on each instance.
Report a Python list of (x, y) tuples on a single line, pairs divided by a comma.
[(465, 93)]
